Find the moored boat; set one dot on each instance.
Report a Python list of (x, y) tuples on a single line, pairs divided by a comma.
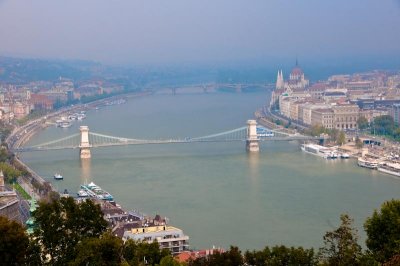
[(367, 163), (82, 194), (344, 156), (57, 176), (95, 191), (319, 150), (389, 168)]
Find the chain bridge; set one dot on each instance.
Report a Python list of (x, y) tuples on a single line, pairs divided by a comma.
[(251, 134)]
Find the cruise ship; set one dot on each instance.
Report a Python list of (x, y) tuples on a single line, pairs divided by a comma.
[(94, 191), (389, 168), (367, 163), (319, 150)]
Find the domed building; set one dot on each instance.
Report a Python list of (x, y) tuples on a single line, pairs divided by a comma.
[(296, 82), (296, 79)]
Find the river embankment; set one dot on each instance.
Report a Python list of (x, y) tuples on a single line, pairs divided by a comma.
[(21, 135)]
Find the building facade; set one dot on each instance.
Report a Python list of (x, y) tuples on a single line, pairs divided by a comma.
[(168, 237)]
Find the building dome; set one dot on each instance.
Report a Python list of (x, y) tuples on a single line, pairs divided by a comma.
[(297, 71)]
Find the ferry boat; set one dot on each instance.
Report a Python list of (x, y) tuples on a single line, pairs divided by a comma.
[(389, 168), (57, 176), (367, 163), (94, 191), (319, 151)]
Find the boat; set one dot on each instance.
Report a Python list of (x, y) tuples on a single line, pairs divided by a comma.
[(82, 194), (65, 194), (57, 176), (389, 168), (332, 155), (65, 124), (80, 117), (319, 150), (367, 163), (344, 156), (94, 191)]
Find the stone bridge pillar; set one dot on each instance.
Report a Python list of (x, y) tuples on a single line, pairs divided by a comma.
[(252, 138), (84, 146)]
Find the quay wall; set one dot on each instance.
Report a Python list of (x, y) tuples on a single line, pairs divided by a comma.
[(26, 132)]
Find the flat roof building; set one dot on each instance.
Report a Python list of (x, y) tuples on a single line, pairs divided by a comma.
[(168, 237)]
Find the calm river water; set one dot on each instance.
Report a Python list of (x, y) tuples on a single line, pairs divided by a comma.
[(216, 192)]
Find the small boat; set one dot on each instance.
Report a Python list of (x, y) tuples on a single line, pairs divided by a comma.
[(345, 156), (65, 124), (57, 176), (65, 194), (82, 194)]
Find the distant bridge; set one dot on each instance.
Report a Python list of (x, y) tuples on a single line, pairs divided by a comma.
[(252, 134)]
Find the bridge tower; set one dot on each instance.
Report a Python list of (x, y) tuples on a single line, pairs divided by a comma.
[(252, 138), (84, 146)]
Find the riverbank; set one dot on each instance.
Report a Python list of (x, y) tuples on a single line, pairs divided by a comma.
[(21, 135)]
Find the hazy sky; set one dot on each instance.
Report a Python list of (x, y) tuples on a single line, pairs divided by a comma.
[(189, 31)]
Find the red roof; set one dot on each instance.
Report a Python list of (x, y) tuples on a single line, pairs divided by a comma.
[(297, 71)]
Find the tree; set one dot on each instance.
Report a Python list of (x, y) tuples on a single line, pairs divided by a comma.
[(383, 231), (341, 138), (362, 123), (383, 125), (63, 223), (4, 156), (281, 255), (359, 143), (14, 243), (232, 257), (10, 173), (105, 250), (340, 246), (169, 261), (136, 252)]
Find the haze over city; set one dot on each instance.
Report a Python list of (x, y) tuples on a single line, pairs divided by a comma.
[(175, 32), (185, 133)]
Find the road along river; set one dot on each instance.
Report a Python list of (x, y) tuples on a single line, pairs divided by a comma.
[(216, 192)]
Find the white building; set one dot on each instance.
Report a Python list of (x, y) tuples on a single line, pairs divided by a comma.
[(168, 237)]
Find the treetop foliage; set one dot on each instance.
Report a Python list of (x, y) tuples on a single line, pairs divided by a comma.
[(70, 233)]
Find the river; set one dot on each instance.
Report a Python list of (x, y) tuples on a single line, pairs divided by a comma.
[(216, 192)]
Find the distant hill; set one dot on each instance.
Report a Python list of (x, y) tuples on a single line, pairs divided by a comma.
[(23, 70)]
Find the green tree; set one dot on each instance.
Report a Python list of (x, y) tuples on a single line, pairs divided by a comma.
[(103, 251), (281, 255), (362, 123), (340, 246), (359, 143), (383, 231), (10, 173), (14, 243), (341, 139), (4, 156), (383, 125), (317, 130), (136, 252), (169, 261), (63, 223)]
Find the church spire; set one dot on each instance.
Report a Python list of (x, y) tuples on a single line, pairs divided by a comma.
[(279, 80)]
